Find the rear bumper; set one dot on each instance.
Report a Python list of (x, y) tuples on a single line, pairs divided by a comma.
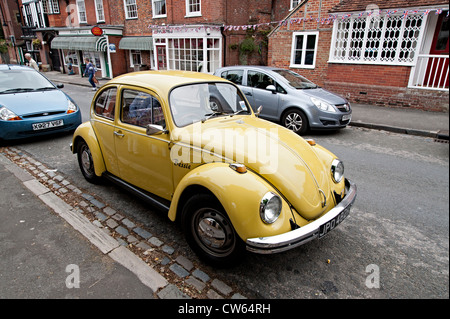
[(300, 236)]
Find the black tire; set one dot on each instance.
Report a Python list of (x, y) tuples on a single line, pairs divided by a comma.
[(295, 121), (209, 232), (86, 163)]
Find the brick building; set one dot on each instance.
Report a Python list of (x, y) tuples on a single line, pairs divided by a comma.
[(147, 34), (393, 53)]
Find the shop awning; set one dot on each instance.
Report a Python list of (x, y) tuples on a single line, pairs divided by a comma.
[(90, 43), (136, 43)]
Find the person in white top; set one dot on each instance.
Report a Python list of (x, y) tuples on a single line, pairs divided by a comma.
[(31, 62)]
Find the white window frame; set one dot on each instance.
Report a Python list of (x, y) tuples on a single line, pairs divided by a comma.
[(127, 5), (154, 4), (137, 53), (81, 10), (50, 6), (99, 11), (337, 54), (294, 3), (305, 34), (190, 3)]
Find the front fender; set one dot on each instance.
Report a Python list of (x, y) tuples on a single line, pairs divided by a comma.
[(86, 132), (240, 196)]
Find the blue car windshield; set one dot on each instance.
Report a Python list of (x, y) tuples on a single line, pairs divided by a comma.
[(13, 81), (295, 80)]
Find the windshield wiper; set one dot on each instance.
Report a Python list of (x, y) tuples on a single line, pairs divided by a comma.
[(46, 88), (210, 115), (237, 112), (17, 90)]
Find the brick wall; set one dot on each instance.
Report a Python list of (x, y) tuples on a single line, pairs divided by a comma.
[(360, 83)]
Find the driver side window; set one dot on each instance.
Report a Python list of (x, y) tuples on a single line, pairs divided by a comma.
[(261, 80), (140, 109)]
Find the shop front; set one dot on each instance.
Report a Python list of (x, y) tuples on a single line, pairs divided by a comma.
[(188, 48)]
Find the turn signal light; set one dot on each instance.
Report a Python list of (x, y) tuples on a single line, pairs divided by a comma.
[(16, 118), (311, 142), (238, 168)]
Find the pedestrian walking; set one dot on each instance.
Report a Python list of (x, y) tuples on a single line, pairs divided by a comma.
[(90, 72), (31, 62)]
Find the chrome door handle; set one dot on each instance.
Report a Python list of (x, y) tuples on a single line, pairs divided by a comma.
[(118, 134)]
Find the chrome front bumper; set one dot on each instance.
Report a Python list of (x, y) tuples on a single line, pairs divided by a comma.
[(300, 236)]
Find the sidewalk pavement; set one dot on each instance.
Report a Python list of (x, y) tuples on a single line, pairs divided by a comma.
[(398, 120)]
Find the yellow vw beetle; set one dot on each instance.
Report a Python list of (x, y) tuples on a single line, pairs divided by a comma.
[(190, 144)]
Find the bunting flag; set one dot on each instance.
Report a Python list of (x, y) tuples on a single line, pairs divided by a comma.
[(330, 19)]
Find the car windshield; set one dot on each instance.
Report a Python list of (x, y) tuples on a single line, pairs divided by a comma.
[(15, 81), (295, 80), (200, 102)]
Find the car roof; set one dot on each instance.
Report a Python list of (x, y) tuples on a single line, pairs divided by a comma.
[(164, 80)]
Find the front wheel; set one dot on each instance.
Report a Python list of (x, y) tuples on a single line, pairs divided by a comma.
[(209, 231), (295, 120)]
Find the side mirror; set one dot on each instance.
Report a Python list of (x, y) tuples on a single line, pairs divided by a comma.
[(60, 85), (153, 129), (271, 88), (258, 111)]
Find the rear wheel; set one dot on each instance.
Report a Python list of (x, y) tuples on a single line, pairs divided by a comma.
[(86, 163), (209, 231), (295, 120)]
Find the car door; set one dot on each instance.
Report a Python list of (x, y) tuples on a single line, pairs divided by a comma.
[(103, 116), (143, 160), (269, 100)]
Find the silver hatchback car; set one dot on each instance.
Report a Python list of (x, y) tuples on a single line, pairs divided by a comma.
[(289, 98)]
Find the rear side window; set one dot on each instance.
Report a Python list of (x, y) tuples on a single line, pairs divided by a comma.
[(105, 104), (234, 76)]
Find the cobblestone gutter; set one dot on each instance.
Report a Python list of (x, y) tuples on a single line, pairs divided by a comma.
[(184, 279)]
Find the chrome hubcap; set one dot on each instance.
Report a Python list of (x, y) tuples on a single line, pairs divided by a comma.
[(86, 160), (293, 122), (213, 231)]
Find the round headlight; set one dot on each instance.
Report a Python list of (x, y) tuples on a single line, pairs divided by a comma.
[(337, 170), (270, 208)]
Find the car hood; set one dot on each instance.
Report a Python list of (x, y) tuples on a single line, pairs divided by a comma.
[(324, 95), (278, 155), (29, 103)]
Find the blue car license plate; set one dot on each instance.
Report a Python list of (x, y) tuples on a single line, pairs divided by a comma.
[(46, 125)]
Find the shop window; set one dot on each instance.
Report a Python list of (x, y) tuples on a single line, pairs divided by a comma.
[(135, 57)]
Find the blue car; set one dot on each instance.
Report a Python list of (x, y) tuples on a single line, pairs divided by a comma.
[(30, 105)]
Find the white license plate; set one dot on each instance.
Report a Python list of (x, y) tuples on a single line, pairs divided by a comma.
[(46, 125), (346, 117)]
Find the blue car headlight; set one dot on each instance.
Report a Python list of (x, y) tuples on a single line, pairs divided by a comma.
[(71, 107), (8, 115)]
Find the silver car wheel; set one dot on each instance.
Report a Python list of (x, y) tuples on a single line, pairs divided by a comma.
[(213, 232), (293, 122)]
